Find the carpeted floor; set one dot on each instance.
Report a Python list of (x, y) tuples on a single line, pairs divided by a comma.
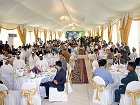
[(79, 74)]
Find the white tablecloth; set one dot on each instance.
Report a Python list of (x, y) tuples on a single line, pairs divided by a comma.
[(47, 76), (118, 72)]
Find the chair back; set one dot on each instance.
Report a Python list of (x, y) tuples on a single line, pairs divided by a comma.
[(28, 86), (133, 86), (28, 91), (95, 63), (3, 87), (3, 93), (133, 90), (98, 85), (98, 80)]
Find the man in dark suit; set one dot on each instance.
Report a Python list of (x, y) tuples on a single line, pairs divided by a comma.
[(58, 81), (132, 76)]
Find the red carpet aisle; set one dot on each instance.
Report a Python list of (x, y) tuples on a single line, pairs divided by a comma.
[(79, 74)]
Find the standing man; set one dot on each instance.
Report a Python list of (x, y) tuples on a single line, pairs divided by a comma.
[(58, 81), (63, 61)]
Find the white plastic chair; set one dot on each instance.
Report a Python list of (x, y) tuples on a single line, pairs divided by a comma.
[(28, 86), (55, 95), (104, 96), (133, 87), (12, 98)]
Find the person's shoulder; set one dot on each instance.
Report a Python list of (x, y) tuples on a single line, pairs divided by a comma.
[(131, 74), (62, 70), (97, 70)]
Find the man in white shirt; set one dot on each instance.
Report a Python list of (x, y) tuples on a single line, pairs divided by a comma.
[(18, 62), (42, 62), (33, 59), (6, 74), (133, 55), (95, 55)]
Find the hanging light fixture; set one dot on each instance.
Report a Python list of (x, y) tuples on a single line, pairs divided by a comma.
[(64, 18), (71, 25)]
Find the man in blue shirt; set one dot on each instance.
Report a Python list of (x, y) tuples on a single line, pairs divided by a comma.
[(103, 73)]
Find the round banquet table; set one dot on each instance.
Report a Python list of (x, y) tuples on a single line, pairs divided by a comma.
[(47, 76)]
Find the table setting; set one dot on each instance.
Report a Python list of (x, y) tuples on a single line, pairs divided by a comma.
[(118, 72), (35, 75)]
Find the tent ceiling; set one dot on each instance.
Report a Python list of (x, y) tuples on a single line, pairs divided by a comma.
[(46, 13)]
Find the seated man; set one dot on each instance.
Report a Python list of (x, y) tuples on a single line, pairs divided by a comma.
[(118, 59), (18, 62), (42, 62), (6, 74), (133, 55), (59, 80), (103, 73), (132, 76), (33, 59)]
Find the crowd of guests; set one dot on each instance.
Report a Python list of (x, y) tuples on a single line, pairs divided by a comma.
[(113, 54), (15, 58), (120, 54)]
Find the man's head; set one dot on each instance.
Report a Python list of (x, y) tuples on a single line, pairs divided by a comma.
[(134, 49), (18, 55), (61, 55), (58, 65), (33, 54), (108, 51), (131, 66), (119, 56), (41, 57), (122, 43), (7, 62), (6, 42), (102, 62), (96, 51), (113, 46)]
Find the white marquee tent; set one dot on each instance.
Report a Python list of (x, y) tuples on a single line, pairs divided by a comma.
[(85, 14)]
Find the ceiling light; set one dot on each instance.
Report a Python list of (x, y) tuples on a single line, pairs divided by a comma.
[(71, 25), (64, 18)]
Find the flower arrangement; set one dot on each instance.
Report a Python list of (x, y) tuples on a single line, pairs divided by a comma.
[(35, 70)]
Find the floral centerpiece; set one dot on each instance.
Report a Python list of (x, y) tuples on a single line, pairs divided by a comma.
[(36, 70)]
